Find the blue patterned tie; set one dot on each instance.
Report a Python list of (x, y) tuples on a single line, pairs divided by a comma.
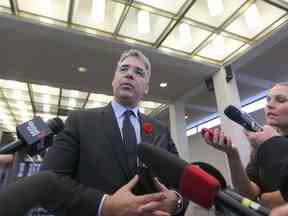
[(130, 141)]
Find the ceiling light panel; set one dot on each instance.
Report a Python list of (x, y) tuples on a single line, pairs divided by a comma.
[(201, 11), (15, 85), (46, 108), (4, 3), (149, 104), (185, 39), (74, 94), (57, 9), (16, 94), (45, 99), (255, 19), (220, 47), (130, 26), (169, 6), (94, 104), (19, 105), (101, 98), (45, 89), (85, 15), (71, 103)]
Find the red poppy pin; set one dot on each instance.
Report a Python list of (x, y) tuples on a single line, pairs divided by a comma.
[(147, 127)]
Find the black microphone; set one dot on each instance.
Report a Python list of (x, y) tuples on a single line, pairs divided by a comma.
[(35, 135), (243, 200), (43, 189), (242, 118), (193, 182)]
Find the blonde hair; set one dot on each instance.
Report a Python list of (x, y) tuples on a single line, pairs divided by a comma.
[(282, 84), (139, 55)]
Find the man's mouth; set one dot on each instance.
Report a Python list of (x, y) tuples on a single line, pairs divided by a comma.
[(127, 86)]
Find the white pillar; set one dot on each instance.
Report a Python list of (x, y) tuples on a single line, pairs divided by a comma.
[(178, 128), (227, 94)]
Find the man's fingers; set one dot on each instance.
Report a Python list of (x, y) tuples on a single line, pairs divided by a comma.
[(150, 207), (143, 199), (161, 187), (131, 184), (160, 213)]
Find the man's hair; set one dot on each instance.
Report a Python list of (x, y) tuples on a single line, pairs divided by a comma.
[(139, 55)]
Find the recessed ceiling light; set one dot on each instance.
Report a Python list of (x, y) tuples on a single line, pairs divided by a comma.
[(82, 69), (163, 85)]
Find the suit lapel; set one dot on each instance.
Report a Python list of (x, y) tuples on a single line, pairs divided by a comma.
[(112, 132), (153, 137), (145, 137)]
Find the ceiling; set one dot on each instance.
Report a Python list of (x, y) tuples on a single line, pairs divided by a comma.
[(51, 54)]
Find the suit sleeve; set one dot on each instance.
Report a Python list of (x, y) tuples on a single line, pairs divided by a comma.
[(62, 159)]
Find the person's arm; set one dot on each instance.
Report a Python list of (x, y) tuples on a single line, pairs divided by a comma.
[(6, 158), (240, 179), (62, 159), (271, 199)]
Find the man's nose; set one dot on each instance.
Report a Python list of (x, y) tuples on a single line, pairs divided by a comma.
[(130, 74)]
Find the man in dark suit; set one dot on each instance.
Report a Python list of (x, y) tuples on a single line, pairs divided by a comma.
[(95, 152)]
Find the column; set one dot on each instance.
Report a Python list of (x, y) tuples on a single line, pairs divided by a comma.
[(178, 128)]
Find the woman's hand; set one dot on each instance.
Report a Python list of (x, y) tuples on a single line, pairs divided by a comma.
[(257, 138), (217, 139)]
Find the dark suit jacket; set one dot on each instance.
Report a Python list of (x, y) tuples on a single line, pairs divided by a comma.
[(90, 151)]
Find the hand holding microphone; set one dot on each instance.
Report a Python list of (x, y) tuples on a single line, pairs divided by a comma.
[(217, 139)]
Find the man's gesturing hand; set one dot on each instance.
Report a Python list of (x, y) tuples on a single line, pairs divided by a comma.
[(124, 203)]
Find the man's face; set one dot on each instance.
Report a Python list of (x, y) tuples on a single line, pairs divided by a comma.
[(130, 82)]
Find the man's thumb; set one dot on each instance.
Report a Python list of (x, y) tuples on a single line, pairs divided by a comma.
[(131, 184)]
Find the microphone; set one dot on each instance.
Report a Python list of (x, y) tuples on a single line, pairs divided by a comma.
[(192, 181), (35, 135), (243, 200), (242, 118), (19, 197)]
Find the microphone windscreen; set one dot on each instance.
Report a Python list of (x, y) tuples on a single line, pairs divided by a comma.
[(198, 186), (56, 125), (165, 165), (33, 191), (213, 172)]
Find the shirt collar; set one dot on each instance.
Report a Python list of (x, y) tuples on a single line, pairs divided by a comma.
[(120, 109)]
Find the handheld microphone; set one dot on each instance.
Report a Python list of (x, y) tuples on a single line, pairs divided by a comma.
[(242, 118), (35, 135), (243, 200), (192, 181)]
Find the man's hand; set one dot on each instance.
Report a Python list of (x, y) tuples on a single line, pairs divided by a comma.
[(257, 138), (124, 203), (272, 199), (170, 203), (280, 211)]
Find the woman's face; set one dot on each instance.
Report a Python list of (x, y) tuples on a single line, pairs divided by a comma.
[(276, 110)]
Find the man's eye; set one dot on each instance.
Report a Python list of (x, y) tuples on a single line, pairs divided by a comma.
[(140, 72), (122, 69)]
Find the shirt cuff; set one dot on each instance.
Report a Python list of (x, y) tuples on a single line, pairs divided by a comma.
[(101, 204), (179, 204)]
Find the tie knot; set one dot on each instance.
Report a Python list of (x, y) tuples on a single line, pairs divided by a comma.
[(128, 113)]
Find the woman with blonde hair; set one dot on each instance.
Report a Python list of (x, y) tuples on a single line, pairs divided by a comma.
[(254, 181)]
